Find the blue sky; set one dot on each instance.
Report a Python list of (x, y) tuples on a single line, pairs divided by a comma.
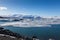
[(33, 7)]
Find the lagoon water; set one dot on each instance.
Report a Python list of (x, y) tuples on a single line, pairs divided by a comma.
[(40, 32)]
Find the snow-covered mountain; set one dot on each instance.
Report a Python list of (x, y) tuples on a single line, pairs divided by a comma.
[(20, 16), (26, 16)]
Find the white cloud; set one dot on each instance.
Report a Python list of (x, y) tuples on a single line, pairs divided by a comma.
[(3, 8)]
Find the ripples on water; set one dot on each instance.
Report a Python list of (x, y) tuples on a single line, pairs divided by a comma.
[(40, 32)]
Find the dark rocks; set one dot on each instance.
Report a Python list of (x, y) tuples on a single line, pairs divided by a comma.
[(1, 28), (8, 32), (18, 20), (15, 20), (1, 17), (18, 36), (34, 37)]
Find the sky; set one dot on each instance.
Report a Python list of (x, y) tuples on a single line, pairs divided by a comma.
[(44, 8)]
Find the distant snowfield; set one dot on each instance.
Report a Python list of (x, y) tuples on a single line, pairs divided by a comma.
[(20, 24)]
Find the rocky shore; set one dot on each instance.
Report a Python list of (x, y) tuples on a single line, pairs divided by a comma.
[(6, 34)]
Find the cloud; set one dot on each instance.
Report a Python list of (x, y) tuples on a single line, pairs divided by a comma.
[(3, 8)]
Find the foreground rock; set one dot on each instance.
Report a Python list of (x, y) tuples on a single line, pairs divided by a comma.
[(6, 34)]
